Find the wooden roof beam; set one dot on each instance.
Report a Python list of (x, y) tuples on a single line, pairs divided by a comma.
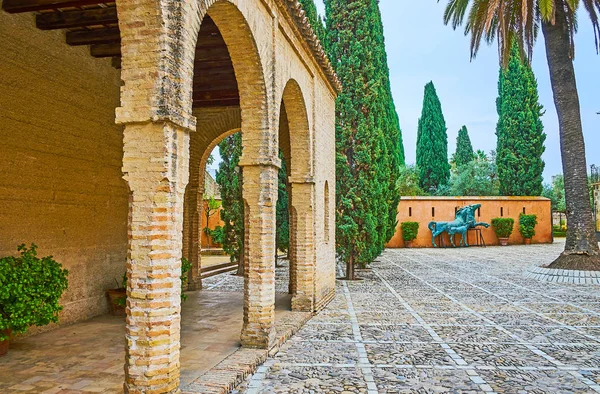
[(16, 6), (105, 50), (95, 36), (80, 18), (232, 102)]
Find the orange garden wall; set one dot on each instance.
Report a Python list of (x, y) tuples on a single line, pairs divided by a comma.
[(214, 222), (442, 209)]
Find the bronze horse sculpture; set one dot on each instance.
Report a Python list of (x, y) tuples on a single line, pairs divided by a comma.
[(465, 219)]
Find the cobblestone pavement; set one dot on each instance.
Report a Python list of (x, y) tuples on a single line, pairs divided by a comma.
[(446, 321)]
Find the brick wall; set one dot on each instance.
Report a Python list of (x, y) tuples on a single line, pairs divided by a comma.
[(60, 173)]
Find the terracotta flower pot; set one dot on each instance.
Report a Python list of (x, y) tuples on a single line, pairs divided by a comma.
[(4, 344), (503, 241), (114, 295), (527, 241), (408, 244)]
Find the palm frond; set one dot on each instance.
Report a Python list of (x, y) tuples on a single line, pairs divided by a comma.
[(547, 10), (455, 12), (593, 9), (509, 21)]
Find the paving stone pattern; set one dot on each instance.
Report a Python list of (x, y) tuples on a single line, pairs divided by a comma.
[(446, 321)]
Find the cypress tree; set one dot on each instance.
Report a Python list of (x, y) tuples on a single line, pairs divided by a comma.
[(368, 141), (519, 130), (432, 143), (229, 178), (393, 157), (464, 150), (282, 212), (314, 18)]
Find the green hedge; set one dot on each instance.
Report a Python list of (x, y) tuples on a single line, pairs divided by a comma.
[(409, 230)]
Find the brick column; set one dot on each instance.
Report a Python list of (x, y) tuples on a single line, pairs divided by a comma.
[(260, 196), (193, 251), (155, 165), (303, 245)]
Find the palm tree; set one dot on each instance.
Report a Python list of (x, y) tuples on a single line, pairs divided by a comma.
[(520, 20)]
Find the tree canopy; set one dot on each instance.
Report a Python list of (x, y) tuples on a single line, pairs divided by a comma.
[(519, 130), (229, 178), (368, 141), (464, 150), (432, 143)]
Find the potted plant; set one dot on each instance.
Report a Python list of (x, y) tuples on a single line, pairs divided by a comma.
[(30, 289), (409, 232), (118, 297), (527, 227), (503, 228)]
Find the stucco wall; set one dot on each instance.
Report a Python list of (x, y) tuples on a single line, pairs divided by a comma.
[(60, 173), (213, 222), (419, 209)]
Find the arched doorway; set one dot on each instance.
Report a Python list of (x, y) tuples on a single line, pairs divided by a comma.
[(296, 144)]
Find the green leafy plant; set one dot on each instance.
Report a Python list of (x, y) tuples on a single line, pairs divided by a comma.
[(559, 231), (503, 226), (218, 235), (185, 267), (30, 290), (527, 225), (409, 230), (211, 207)]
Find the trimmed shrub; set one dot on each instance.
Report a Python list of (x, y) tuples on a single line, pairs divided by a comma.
[(218, 235), (409, 230), (527, 225), (503, 226), (30, 289)]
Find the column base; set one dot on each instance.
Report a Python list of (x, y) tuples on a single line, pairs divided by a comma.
[(302, 303), (257, 337)]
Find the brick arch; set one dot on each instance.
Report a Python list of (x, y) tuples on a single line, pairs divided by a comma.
[(232, 19), (296, 143), (295, 136), (213, 127)]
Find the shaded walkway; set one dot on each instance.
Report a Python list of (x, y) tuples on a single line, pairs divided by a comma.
[(88, 357), (446, 320)]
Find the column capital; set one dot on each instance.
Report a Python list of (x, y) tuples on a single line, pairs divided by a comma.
[(260, 162), (180, 120), (309, 180)]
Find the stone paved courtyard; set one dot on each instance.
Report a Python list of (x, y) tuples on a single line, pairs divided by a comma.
[(446, 321)]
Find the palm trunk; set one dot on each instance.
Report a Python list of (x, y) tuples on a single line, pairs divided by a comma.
[(581, 249)]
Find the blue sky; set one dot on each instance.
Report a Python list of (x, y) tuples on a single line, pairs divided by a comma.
[(420, 48)]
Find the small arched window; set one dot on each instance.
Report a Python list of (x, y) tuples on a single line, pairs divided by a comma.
[(326, 211)]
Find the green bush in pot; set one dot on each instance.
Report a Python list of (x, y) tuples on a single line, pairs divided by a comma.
[(527, 225), (30, 290), (503, 228), (409, 232)]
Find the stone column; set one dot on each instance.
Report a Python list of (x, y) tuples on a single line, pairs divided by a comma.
[(303, 245), (260, 196), (155, 165)]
